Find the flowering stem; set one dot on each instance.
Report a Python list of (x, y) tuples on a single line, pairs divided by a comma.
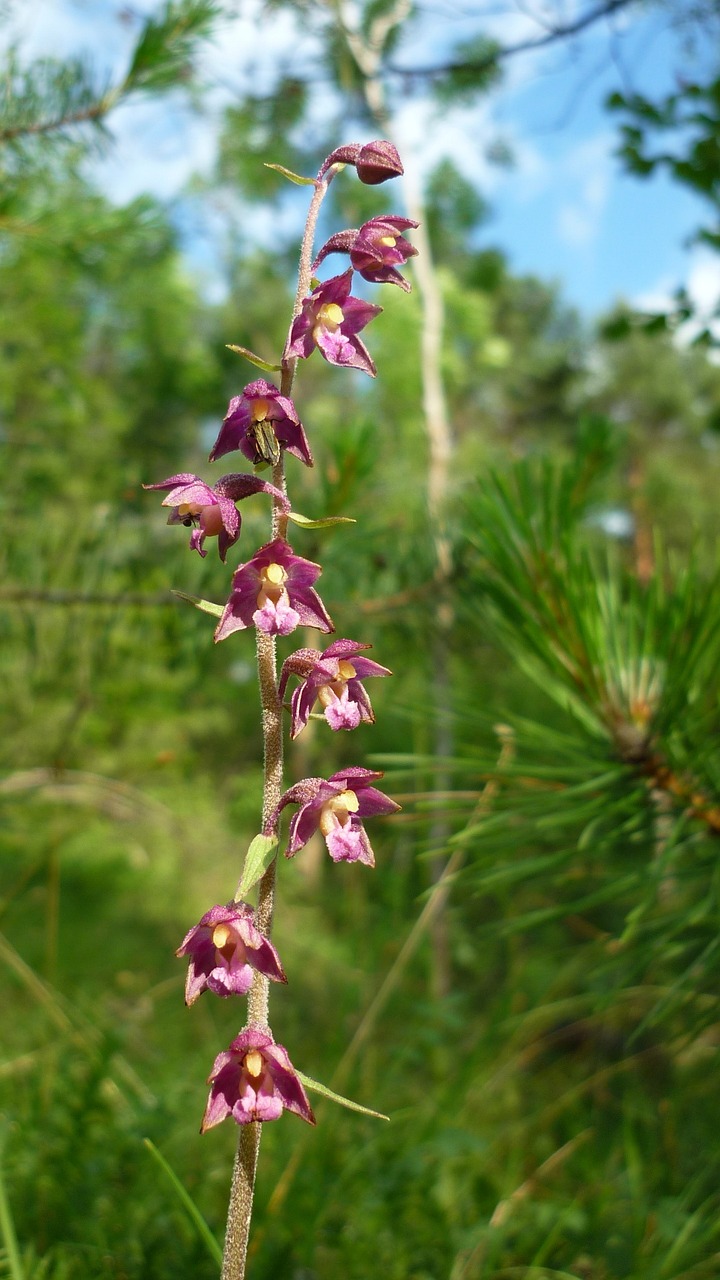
[(304, 269), (246, 1157)]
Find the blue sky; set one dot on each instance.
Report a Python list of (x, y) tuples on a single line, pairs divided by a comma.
[(564, 211)]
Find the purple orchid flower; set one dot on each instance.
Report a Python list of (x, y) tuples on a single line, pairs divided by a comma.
[(254, 1079), (334, 677), (211, 512), (274, 592), (375, 161), (376, 250), (225, 949), (336, 807), (260, 422), (331, 320)]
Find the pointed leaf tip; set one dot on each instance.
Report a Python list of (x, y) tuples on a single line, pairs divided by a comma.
[(206, 606), (326, 522), (292, 177), (253, 358), (317, 1087), (257, 860)]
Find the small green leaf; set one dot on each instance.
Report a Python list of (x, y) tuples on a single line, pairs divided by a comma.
[(256, 360), (257, 860), (314, 1085), (207, 606), (292, 177), (325, 523)]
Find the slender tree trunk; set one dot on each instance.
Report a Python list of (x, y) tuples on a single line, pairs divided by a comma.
[(367, 52)]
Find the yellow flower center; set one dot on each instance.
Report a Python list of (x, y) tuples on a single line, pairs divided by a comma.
[(260, 410), (273, 578), (221, 935), (339, 807), (329, 318), (390, 241), (346, 671), (275, 574), (254, 1063)]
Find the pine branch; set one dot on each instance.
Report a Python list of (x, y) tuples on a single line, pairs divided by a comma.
[(49, 97), (486, 63)]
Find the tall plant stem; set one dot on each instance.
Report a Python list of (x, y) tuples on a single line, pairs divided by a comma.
[(242, 1191)]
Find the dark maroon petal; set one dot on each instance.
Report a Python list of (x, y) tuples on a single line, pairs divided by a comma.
[(366, 856), (230, 516), (225, 1067), (355, 776), (250, 1038), (383, 274), (362, 358), (288, 1085), (374, 804), (303, 825), (195, 492), (341, 242), (310, 608), (184, 477), (300, 707), (301, 793), (301, 342), (377, 161), (301, 573), (237, 614), (292, 436), (226, 541), (216, 1110), (365, 667), (336, 290), (300, 663), (289, 412), (232, 436), (263, 957), (344, 648), (357, 313), (358, 693), (238, 485), (341, 155)]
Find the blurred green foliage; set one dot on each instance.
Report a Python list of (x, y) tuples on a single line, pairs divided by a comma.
[(553, 1115)]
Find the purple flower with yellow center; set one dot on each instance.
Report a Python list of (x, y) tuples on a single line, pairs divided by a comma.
[(225, 949), (376, 250), (331, 320), (211, 512), (274, 592), (260, 422), (334, 678), (336, 807), (254, 1079)]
